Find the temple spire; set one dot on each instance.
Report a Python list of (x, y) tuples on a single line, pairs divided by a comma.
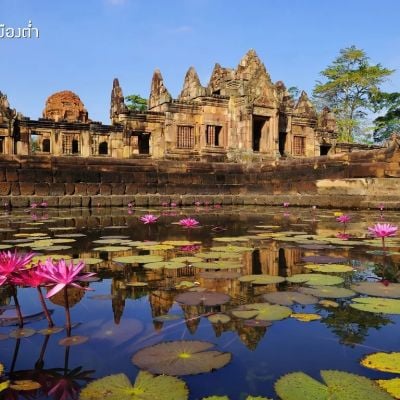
[(158, 93)]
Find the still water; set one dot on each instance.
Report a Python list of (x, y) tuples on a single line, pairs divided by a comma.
[(132, 307)]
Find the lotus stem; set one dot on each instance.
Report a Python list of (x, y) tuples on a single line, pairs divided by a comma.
[(67, 313), (40, 363), (15, 355), (18, 308), (45, 309)]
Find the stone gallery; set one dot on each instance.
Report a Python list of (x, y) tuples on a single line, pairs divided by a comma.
[(241, 114)]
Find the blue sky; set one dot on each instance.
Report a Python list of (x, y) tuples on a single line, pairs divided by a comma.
[(84, 44)]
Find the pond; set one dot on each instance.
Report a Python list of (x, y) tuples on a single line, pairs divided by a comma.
[(228, 306)]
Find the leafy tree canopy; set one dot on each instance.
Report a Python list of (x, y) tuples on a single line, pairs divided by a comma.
[(136, 103), (350, 84)]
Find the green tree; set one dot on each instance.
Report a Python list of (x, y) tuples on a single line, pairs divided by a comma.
[(388, 123), (136, 102), (351, 82)]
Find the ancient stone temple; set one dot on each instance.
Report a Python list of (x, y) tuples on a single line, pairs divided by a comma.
[(241, 115)]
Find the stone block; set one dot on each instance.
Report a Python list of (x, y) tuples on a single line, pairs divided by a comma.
[(57, 189), (76, 201), (154, 200), (110, 177), (42, 189), (11, 175), (69, 189), (86, 201), (142, 200), (15, 190), (2, 174), (19, 201), (93, 189), (105, 189), (117, 201), (52, 201), (80, 189), (131, 188), (5, 188), (64, 201), (26, 175), (44, 176), (27, 188), (118, 188)]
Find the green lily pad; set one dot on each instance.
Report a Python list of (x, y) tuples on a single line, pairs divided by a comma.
[(164, 264), (339, 386), (179, 243), (70, 235), (22, 333), (188, 259), (230, 239), (5, 246), (111, 241), (378, 289), (155, 247), (385, 362), (263, 312), (290, 298), (137, 259), (262, 279), (376, 305), (330, 292), (181, 358), (232, 249), (146, 387), (315, 279), (329, 268), (216, 265), (185, 285), (112, 249), (219, 318), (392, 386), (88, 260), (215, 255), (167, 317), (305, 317)]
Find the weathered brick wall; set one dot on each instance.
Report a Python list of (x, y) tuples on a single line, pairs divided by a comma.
[(83, 181)]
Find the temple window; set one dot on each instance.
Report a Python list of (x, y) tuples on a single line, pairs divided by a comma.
[(46, 145), (299, 145), (213, 134), (70, 145), (185, 138), (75, 146)]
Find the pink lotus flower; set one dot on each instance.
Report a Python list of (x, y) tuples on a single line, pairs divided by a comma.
[(191, 248), (285, 204), (383, 230), (149, 219), (44, 204), (173, 204), (343, 219), (29, 277), (217, 205), (343, 236), (381, 206), (13, 262), (130, 204), (198, 203), (164, 204), (61, 274), (188, 223)]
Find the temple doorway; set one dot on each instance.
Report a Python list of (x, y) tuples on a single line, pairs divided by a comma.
[(258, 125), (103, 148), (75, 146), (144, 143), (282, 143), (324, 149)]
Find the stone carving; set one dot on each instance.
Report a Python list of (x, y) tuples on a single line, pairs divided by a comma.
[(118, 105), (158, 93), (65, 106), (327, 120), (191, 86), (304, 107)]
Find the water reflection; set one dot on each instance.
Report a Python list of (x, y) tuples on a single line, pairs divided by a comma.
[(134, 306)]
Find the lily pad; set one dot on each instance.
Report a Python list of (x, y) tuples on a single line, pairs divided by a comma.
[(24, 385), (112, 249), (315, 279), (181, 358), (230, 239), (305, 317), (22, 333), (219, 318), (328, 304), (205, 298), (289, 298), (386, 362), (137, 259), (262, 311), (376, 305), (146, 387), (215, 255), (50, 331), (185, 285), (378, 289), (189, 259), (232, 249), (329, 268), (330, 292), (88, 260), (164, 264), (392, 386), (73, 340), (262, 279), (339, 386), (167, 317)]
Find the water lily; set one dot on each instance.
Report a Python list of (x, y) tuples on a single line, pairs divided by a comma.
[(10, 264), (34, 205), (343, 236), (343, 219), (382, 231), (148, 219), (44, 204), (62, 276), (285, 204), (173, 204), (189, 223), (130, 204), (198, 203)]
